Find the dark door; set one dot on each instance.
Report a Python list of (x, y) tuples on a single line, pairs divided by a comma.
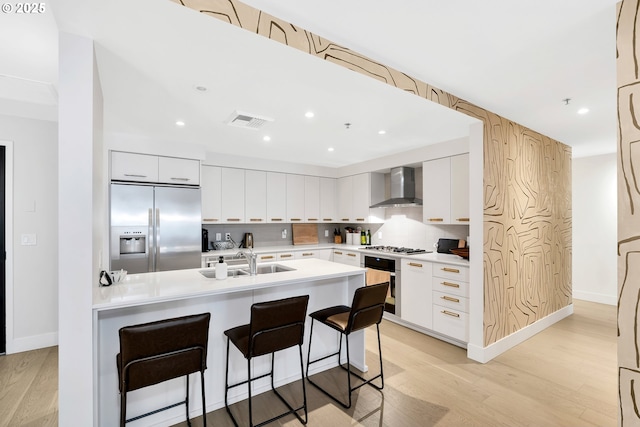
[(3, 257)]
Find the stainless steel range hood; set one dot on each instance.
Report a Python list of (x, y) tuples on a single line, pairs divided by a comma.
[(403, 189)]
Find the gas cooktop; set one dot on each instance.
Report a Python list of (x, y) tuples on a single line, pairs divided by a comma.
[(395, 250)]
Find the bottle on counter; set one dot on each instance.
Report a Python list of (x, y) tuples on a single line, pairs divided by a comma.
[(363, 238), (368, 237), (221, 269)]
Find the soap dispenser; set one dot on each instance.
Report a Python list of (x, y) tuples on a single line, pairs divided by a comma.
[(221, 269)]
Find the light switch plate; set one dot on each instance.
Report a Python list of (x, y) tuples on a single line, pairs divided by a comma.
[(218, 237), (28, 240)]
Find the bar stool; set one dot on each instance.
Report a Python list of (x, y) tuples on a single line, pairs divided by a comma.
[(366, 310), (274, 326), (155, 352)]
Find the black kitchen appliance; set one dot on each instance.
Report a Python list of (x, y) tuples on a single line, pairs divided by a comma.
[(205, 240), (381, 270), (445, 245)]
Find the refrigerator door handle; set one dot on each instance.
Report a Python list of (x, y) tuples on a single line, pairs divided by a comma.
[(157, 263), (150, 243)]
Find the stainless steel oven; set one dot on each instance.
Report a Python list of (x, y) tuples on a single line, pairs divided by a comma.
[(380, 270)]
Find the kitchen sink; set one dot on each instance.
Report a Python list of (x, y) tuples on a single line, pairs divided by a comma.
[(244, 271)]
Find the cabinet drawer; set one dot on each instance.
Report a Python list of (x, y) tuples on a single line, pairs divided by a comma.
[(452, 301), (285, 256), (449, 286), (449, 271), (267, 257), (178, 171), (134, 167), (452, 323)]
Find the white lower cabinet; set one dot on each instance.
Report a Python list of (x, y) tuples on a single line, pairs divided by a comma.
[(416, 294), (285, 256), (450, 286), (269, 257), (346, 257), (324, 254)]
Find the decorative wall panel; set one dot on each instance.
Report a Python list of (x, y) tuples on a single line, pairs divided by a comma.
[(628, 40), (527, 184)]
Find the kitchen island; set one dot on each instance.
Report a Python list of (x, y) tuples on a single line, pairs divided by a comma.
[(154, 296)]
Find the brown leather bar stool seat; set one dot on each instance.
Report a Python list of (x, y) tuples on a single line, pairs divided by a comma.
[(366, 310), (274, 326), (155, 352)]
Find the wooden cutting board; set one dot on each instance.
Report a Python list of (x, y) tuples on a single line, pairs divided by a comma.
[(305, 234)]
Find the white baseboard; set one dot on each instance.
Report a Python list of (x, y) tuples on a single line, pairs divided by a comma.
[(32, 343), (485, 354), (595, 297)]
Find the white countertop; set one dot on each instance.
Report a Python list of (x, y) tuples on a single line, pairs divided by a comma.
[(431, 257), (145, 288)]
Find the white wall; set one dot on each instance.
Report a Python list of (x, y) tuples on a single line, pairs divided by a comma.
[(33, 312), (595, 229)]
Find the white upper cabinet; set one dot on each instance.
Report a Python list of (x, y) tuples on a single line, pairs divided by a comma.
[(460, 189), (328, 200), (232, 195), (172, 170), (356, 193), (276, 197), (149, 168), (134, 167), (446, 190), (295, 198), (345, 196), (211, 193), (312, 198), (255, 196)]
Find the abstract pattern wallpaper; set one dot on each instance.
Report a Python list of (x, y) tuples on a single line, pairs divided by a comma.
[(628, 40), (527, 184)]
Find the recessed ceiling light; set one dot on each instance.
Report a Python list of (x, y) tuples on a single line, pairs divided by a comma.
[(330, 149), (382, 132), (266, 138), (309, 114), (583, 111), (179, 123)]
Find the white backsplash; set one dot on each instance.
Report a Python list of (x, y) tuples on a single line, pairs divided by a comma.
[(401, 230)]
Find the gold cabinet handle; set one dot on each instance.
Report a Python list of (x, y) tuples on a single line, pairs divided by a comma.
[(286, 256), (255, 219), (451, 270), (415, 264), (267, 257), (276, 219), (326, 219), (209, 219), (180, 179), (337, 253), (295, 219), (359, 219), (451, 285), (233, 219), (436, 219), (307, 254), (351, 254), (312, 219), (448, 298), (135, 175), (448, 313), (463, 219), (345, 219)]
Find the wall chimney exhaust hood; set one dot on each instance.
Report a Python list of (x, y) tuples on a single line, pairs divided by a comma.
[(403, 189)]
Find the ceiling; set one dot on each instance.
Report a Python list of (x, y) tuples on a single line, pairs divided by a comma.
[(517, 59)]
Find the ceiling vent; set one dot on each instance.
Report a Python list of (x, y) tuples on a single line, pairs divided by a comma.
[(245, 120)]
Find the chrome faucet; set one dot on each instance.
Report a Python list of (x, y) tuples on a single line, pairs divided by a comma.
[(252, 259)]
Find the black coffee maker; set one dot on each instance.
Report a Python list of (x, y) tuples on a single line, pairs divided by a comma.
[(205, 240)]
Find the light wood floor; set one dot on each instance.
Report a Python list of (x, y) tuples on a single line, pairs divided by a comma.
[(564, 376)]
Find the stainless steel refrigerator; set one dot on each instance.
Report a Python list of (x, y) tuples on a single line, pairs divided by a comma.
[(155, 228)]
